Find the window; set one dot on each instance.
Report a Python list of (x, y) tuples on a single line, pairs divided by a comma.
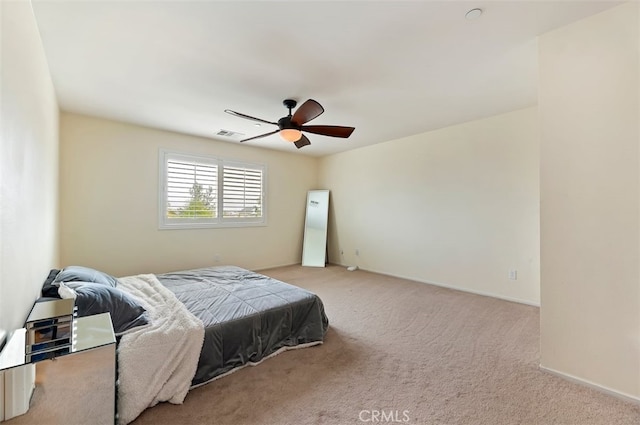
[(205, 191)]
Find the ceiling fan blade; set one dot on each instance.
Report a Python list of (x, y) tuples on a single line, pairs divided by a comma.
[(329, 130), (302, 142), (260, 136), (306, 112), (249, 117)]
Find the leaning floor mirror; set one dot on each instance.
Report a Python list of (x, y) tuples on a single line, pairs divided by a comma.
[(314, 247)]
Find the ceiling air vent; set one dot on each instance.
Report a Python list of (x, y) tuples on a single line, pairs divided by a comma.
[(227, 133)]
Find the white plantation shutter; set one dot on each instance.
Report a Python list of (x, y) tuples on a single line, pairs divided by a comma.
[(242, 188), (184, 177), (203, 191)]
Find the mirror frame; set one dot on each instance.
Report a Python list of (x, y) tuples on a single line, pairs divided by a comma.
[(314, 247)]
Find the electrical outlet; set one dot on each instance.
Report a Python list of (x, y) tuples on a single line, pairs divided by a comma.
[(513, 274), (216, 258), (357, 251), (341, 252)]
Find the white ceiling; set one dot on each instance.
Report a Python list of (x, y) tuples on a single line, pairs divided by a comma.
[(391, 69)]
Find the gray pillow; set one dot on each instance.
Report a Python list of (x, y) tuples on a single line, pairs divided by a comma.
[(95, 298), (85, 274), (49, 289)]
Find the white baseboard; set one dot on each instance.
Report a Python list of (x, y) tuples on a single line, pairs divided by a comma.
[(601, 388), (457, 288), (275, 267)]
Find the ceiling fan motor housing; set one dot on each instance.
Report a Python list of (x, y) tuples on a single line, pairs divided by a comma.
[(285, 123)]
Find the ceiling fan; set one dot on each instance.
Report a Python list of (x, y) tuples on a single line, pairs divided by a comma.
[(292, 126)]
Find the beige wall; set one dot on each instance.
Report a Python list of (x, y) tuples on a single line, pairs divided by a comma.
[(28, 165), (590, 308), (109, 202), (457, 206)]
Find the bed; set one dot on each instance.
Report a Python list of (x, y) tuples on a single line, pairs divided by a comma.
[(247, 316), (184, 329)]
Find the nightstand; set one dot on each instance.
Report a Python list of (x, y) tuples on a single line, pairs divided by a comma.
[(77, 382)]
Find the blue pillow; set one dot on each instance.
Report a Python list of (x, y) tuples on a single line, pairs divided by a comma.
[(95, 298), (85, 274)]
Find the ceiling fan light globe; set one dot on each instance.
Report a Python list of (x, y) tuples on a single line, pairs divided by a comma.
[(290, 134)]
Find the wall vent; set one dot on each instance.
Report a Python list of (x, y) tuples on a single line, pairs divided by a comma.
[(227, 133)]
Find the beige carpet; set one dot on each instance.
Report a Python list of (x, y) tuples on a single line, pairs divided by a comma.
[(418, 353)]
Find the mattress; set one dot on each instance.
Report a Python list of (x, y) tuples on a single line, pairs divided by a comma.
[(247, 316)]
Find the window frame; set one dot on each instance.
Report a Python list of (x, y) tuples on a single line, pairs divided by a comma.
[(219, 221)]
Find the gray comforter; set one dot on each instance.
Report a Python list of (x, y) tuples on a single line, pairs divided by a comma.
[(247, 316)]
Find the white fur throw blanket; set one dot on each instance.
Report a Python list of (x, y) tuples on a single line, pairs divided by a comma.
[(156, 362)]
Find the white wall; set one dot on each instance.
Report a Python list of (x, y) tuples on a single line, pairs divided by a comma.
[(109, 198), (590, 216), (456, 206), (28, 165)]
